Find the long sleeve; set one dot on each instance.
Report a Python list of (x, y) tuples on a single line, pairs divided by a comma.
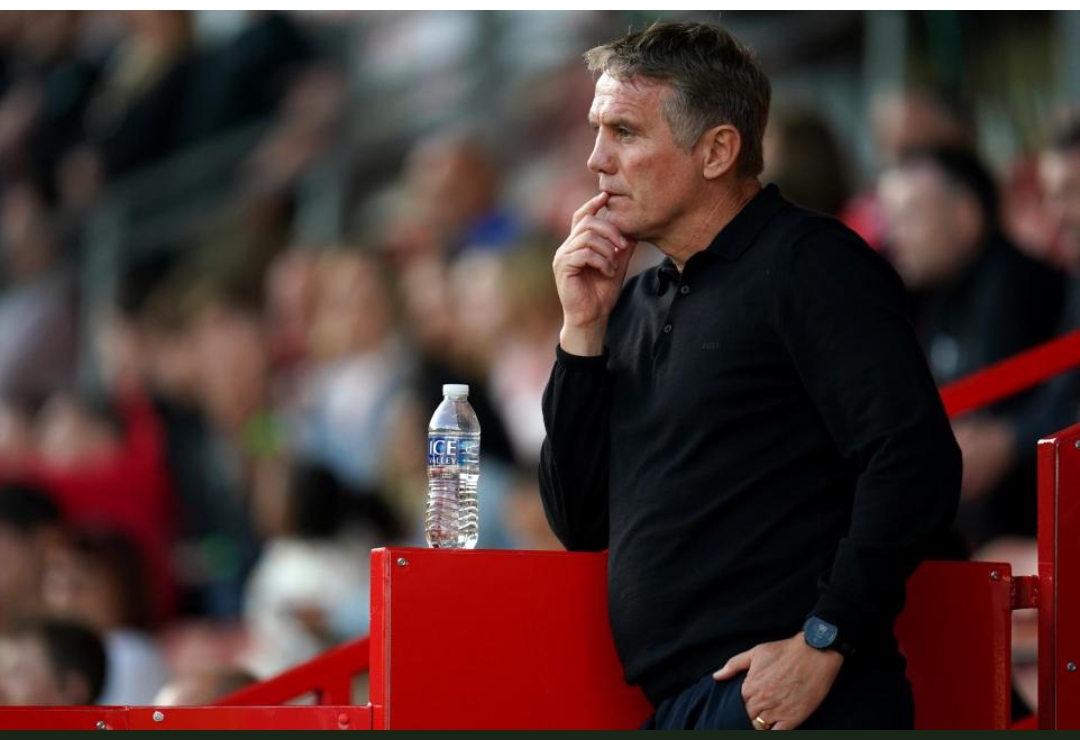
[(842, 316), (574, 457)]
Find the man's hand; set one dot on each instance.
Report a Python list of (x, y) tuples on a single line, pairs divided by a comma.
[(989, 450), (589, 270), (785, 681)]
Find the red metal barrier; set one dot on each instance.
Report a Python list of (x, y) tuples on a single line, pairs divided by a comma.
[(489, 639), (968, 688), (501, 639), (505, 639), (185, 718), (956, 634), (329, 677), (1059, 580), (64, 718), (1011, 376)]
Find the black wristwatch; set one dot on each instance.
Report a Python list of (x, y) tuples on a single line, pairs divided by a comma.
[(823, 635)]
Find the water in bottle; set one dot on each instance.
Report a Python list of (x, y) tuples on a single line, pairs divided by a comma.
[(453, 472)]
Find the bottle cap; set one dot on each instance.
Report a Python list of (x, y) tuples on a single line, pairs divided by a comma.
[(456, 390)]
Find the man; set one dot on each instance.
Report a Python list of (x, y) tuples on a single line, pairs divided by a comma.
[(50, 662), (31, 528), (750, 428), (977, 298), (992, 449)]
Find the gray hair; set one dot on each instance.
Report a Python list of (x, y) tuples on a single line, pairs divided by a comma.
[(714, 80)]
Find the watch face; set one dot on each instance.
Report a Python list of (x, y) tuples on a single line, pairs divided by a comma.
[(819, 633)]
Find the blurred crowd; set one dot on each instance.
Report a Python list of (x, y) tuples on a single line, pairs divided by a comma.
[(191, 483)]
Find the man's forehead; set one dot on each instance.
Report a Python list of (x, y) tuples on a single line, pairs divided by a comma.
[(624, 95), (910, 185)]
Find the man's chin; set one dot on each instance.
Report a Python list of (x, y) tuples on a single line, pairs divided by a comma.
[(618, 217)]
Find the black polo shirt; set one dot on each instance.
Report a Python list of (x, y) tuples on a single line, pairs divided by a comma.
[(761, 441)]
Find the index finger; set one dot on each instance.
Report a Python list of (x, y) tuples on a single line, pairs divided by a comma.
[(591, 207)]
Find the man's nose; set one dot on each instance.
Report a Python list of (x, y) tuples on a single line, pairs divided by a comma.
[(601, 161)]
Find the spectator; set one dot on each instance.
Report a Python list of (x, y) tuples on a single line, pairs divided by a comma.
[(917, 117), (803, 158), (359, 374), (522, 355), (30, 528), (131, 118), (16, 433), (309, 589), (37, 308), (159, 348), (41, 116), (99, 581), (106, 465), (978, 299), (254, 69), (455, 183), (48, 662), (991, 450)]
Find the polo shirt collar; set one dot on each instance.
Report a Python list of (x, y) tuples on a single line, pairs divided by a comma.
[(738, 236)]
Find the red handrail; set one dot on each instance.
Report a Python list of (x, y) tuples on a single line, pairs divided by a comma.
[(328, 676), (1013, 375)]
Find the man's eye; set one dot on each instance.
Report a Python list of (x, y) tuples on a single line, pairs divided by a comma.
[(623, 133)]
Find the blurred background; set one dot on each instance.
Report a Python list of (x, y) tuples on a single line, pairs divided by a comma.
[(241, 251)]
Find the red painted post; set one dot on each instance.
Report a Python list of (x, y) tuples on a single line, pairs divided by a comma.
[(1059, 576), (956, 633), (1047, 472)]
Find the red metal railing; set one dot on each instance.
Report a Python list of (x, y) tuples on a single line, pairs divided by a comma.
[(329, 677), (185, 718), (1011, 376)]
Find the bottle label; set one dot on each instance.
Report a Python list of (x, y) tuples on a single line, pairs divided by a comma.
[(448, 450)]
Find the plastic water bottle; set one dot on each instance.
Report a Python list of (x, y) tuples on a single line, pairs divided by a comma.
[(453, 472)]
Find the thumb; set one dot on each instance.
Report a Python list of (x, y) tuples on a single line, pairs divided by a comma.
[(737, 664)]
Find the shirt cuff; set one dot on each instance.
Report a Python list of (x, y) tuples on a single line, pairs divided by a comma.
[(858, 628), (596, 362)]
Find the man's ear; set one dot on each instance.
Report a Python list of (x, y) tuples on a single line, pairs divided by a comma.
[(720, 148)]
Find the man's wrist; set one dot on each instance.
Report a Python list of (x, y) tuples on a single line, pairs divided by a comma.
[(826, 637), (826, 652), (585, 341)]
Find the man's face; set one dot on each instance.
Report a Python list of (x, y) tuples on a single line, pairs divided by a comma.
[(27, 677), (21, 571), (652, 181), (924, 239), (1060, 174)]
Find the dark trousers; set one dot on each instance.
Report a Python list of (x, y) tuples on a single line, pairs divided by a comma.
[(862, 698)]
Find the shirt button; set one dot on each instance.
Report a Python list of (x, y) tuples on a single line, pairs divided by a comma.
[(684, 289), (667, 328)]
